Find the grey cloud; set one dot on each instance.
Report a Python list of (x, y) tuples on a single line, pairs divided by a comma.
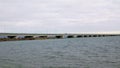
[(59, 15)]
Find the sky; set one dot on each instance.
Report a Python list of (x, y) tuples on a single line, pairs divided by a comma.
[(59, 16)]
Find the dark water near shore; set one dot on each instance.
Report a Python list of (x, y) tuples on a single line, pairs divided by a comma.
[(102, 52)]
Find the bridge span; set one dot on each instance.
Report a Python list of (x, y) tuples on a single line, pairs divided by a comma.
[(31, 36)]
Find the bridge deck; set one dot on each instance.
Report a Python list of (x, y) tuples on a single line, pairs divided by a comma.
[(27, 36)]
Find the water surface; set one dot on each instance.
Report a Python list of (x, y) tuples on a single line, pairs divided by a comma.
[(101, 52)]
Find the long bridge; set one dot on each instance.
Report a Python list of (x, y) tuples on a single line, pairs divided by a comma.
[(31, 36)]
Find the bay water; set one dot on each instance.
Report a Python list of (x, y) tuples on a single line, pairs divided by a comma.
[(97, 52)]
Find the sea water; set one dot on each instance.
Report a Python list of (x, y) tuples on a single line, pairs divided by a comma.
[(97, 52)]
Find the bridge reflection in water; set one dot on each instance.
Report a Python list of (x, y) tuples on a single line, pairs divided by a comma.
[(26, 36)]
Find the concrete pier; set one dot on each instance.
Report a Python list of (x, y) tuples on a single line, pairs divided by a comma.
[(27, 36)]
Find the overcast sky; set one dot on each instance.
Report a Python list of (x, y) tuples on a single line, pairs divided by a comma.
[(59, 16)]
